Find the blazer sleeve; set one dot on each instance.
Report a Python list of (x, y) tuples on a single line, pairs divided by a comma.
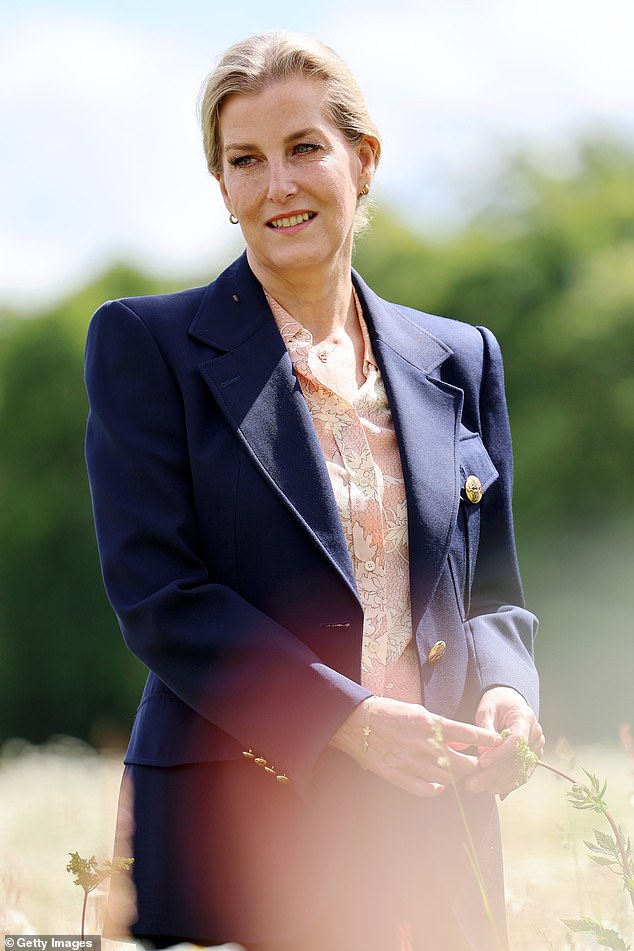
[(503, 630), (238, 668)]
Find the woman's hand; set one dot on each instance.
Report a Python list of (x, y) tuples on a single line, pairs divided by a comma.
[(411, 747), (504, 708)]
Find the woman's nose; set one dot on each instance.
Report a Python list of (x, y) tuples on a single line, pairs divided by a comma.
[(282, 184)]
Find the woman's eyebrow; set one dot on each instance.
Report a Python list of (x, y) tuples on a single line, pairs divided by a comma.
[(293, 137), (303, 133), (243, 146)]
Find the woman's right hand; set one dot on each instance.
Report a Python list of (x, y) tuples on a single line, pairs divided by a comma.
[(409, 746)]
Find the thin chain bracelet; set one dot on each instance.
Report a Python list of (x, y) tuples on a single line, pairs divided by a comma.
[(367, 730)]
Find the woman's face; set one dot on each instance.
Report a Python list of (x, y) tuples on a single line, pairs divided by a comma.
[(292, 179)]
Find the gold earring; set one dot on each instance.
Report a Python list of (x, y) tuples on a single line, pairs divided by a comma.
[(233, 219), (364, 191)]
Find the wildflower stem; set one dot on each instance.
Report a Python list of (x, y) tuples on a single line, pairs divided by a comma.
[(83, 914), (618, 835), (559, 772)]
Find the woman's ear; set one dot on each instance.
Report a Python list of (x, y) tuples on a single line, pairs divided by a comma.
[(367, 150), (223, 192)]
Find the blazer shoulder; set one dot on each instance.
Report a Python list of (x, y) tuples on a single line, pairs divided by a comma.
[(455, 334), (165, 314), (159, 310), (476, 361)]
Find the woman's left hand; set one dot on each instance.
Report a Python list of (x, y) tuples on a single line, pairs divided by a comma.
[(501, 708)]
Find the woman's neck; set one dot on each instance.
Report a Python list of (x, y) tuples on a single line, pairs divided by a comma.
[(323, 303)]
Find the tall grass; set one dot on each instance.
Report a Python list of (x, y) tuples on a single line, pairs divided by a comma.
[(62, 798)]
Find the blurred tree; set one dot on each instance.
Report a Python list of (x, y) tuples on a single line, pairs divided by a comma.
[(62, 669), (548, 265)]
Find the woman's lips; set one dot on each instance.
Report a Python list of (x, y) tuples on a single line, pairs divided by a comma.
[(290, 221)]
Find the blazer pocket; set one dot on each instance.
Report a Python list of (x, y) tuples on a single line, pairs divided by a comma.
[(476, 475)]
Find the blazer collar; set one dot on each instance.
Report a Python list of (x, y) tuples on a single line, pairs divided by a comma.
[(233, 308), (392, 328), (221, 324), (252, 379)]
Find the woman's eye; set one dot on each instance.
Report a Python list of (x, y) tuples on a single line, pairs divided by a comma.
[(305, 148), (241, 161)]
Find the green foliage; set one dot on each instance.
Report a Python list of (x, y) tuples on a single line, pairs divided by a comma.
[(525, 760), (62, 668), (548, 265), (589, 797), (89, 872), (613, 852), (605, 850), (607, 937)]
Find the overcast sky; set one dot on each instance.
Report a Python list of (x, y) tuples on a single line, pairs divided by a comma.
[(100, 155)]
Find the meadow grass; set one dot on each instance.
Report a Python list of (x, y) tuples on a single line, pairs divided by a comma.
[(62, 798)]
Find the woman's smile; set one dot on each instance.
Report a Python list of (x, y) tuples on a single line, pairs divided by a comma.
[(291, 221)]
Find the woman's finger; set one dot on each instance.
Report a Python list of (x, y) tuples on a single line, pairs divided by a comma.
[(454, 732)]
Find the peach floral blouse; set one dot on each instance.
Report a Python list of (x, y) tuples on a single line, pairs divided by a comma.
[(358, 441)]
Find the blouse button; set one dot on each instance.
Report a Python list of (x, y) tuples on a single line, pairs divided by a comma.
[(370, 565)]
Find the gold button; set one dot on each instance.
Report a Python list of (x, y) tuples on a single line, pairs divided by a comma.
[(370, 565), (248, 754), (436, 652), (473, 489), (283, 779), (270, 769), (259, 761)]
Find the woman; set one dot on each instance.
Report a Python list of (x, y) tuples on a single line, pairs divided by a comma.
[(302, 499)]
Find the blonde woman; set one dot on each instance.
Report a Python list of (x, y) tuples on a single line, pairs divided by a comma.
[(302, 496)]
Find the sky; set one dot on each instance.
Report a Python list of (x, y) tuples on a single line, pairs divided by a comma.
[(100, 151)]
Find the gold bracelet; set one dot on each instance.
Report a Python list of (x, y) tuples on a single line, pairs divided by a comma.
[(367, 730)]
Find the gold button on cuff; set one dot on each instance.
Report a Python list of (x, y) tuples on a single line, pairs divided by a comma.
[(473, 489), (270, 769), (282, 778), (436, 652), (259, 761), (248, 754)]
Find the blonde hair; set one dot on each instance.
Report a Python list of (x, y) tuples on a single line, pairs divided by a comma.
[(254, 63)]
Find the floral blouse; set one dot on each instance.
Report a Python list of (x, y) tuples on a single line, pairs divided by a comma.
[(357, 437)]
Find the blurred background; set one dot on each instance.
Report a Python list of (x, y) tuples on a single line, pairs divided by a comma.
[(505, 197)]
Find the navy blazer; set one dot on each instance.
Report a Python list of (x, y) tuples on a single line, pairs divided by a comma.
[(222, 549)]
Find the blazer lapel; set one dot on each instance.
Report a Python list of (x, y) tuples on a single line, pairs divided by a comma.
[(254, 385), (426, 414)]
